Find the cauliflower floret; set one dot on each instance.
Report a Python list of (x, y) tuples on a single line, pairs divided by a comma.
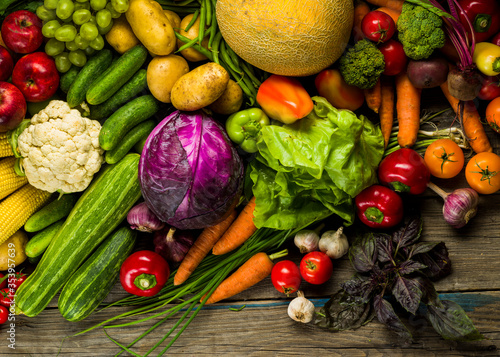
[(60, 149)]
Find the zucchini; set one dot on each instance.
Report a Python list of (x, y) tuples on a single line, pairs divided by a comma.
[(50, 213), (116, 75), (100, 209), (92, 282), (68, 78), (136, 85), (96, 65), (40, 241), (138, 132), (124, 119)]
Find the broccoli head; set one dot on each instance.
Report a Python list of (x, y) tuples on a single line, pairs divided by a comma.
[(419, 31), (362, 64)]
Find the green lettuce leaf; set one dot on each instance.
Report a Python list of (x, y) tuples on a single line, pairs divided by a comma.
[(312, 168)]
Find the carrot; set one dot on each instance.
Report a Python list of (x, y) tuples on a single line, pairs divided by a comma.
[(201, 247), (373, 97), (470, 121), (254, 270), (391, 12), (393, 4), (238, 232), (386, 112), (361, 8), (408, 110)]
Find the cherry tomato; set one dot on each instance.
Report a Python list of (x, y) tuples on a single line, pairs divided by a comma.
[(483, 172), (16, 280), (377, 26), (490, 89), (4, 314), (286, 277), (493, 114), (444, 158), (3, 278), (7, 296), (394, 56), (316, 267)]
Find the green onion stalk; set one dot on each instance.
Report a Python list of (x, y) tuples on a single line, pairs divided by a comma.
[(248, 77), (190, 297)]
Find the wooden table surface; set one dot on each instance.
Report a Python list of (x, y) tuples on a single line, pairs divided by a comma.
[(263, 328)]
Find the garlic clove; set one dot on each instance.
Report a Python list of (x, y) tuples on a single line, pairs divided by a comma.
[(301, 309)]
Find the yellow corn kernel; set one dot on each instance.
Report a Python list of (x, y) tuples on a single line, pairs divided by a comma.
[(18, 207), (5, 149), (9, 180)]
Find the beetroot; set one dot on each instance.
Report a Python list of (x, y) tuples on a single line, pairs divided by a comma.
[(428, 73), (464, 84)]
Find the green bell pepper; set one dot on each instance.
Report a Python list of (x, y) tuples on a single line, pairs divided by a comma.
[(243, 128)]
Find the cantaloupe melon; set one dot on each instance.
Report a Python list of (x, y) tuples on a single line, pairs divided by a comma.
[(286, 37)]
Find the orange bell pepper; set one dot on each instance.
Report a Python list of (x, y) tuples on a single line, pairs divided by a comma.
[(284, 99)]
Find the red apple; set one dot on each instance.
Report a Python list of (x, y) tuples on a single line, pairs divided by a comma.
[(36, 76), (22, 31), (6, 64), (12, 106)]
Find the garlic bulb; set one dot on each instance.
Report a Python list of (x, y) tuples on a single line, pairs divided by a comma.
[(301, 309), (306, 240), (140, 217), (334, 243)]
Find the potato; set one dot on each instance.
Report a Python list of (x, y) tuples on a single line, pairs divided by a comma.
[(151, 26), (163, 72), (12, 250), (200, 87), (121, 37), (174, 19), (191, 54), (230, 101)]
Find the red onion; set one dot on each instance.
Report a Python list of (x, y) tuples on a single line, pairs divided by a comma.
[(173, 244), (141, 218)]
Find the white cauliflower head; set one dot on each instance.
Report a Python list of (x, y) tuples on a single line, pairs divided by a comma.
[(60, 149)]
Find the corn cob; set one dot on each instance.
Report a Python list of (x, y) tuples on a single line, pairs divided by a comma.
[(5, 149), (18, 207), (9, 180)]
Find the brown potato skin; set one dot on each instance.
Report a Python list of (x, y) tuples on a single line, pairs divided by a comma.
[(175, 20), (163, 72), (230, 101), (19, 239), (151, 26), (190, 53), (121, 37), (200, 87)]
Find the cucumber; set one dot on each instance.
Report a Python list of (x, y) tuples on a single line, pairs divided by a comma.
[(100, 209), (96, 65), (124, 119), (129, 90), (138, 132), (92, 282), (68, 78), (40, 241), (50, 213), (111, 80)]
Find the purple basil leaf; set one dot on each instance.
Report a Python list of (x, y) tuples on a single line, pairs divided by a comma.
[(452, 323), (419, 248), (342, 312), (409, 233), (386, 315), (407, 293), (360, 287), (384, 247), (437, 261), (363, 253), (430, 295), (410, 266)]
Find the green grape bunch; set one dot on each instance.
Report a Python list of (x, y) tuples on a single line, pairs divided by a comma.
[(75, 28)]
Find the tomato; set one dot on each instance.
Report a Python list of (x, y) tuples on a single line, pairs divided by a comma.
[(331, 85), (378, 26), (316, 267), (3, 280), (493, 114), (7, 296), (444, 158), (4, 314), (16, 280), (490, 88), (286, 277), (394, 56), (483, 173), (404, 170)]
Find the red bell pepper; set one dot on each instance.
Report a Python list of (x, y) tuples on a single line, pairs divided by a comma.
[(379, 207), (284, 99), (404, 170), (484, 16), (144, 273), (332, 86), (496, 39)]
